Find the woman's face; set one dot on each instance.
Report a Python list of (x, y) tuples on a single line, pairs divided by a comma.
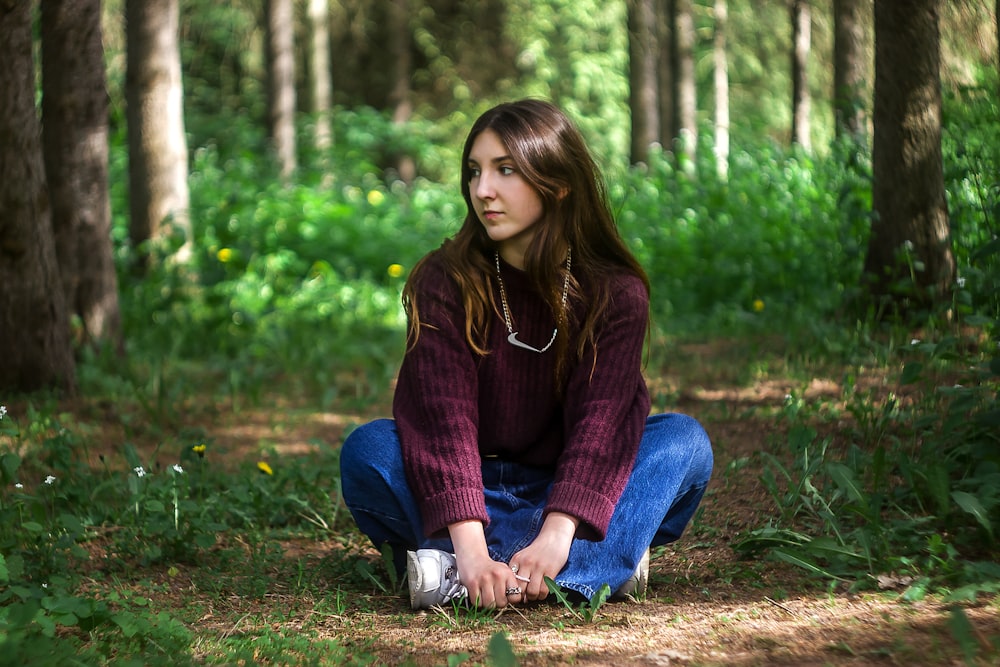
[(507, 205)]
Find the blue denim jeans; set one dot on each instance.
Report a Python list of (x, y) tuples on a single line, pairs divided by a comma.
[(670, 474)]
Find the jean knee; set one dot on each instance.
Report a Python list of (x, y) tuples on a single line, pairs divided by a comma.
[(362, 441), (680, 432), (363, 452), (702, 458)]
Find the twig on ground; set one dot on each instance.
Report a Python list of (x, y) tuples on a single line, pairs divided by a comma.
[(780, 606)]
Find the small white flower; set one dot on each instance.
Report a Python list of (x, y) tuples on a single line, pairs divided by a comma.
[(3, 411), (908, 245), (139, 471), (45, 585), (960, 282), (50, 479), (18, 485), (178, 468), (915, 341)]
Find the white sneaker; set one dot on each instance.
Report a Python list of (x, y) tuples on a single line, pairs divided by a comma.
[(433, 578), (634, 586)]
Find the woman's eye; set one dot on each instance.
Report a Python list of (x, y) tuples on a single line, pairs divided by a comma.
[(474, 171), (506, 171)]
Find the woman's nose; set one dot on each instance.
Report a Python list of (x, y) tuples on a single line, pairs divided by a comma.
[(484, 187)]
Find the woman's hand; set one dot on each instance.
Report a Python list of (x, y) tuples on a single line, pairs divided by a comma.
[(486, 580), (545, 556)]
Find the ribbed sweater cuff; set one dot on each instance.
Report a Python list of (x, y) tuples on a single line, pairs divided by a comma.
[(593, 509), (451, 507)]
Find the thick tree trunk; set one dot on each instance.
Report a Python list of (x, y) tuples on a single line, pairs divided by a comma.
[(721, 80), (35, 350), (280, 30), (909, 256), (400, 97), (684, 77), (75, 134), (319, 58), (643, 83), (158, 169), (849, 68), (801, 100)]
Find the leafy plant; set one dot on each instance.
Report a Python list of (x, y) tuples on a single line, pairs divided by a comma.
[(585, 612)]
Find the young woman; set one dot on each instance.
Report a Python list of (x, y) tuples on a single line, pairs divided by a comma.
[(521, 446)]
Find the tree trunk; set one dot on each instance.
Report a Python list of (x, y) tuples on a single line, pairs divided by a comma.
[(34, 326), (75, 139), (909, 257), (319, 58), (666, 96), (801, 100), (643, 91), (684, 76), (400, 97), (721, 79), (280, 30), (848, 68), (158, 187)]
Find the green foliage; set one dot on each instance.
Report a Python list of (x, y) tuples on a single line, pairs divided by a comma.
[(500, 651), (57, 516), (971, 144), (913, 499), (585, 612), (781, 240)]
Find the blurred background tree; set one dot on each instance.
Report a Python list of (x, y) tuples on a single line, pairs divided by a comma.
[(714, 186)]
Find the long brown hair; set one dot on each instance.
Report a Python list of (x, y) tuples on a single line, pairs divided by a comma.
[(552, 156)]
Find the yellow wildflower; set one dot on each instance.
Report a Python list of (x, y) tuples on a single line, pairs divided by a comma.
[(264, 468), (375, 197), (199, 450), (224, 255), (758, 305), (395, 270)]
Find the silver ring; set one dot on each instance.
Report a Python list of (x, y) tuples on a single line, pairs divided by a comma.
[(513, 568), (514, 591)]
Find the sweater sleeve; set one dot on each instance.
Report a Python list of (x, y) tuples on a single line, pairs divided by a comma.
[(435, 407), (605, 412)]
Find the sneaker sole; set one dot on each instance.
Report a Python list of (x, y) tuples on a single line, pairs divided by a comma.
[(415, 578)]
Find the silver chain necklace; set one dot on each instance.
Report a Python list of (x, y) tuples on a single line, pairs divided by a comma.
[(512, 337)]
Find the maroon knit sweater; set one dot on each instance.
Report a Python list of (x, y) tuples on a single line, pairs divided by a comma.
[(453, 407)]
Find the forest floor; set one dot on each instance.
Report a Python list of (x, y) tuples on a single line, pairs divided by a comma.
[(705, 605)]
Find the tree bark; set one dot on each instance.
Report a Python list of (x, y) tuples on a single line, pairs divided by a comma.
[(400, 97), (684, 76), (848, 68), (158, 169), (75, 141), (34, 326), (801, 100), (280, 31), (721, 80), (909, 259), (319, 58), (643, 88)]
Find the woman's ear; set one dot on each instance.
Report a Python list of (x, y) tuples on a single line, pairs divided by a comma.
[(563, 191)]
